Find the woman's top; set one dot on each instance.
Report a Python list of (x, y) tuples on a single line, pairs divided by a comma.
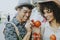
[(48, 31)]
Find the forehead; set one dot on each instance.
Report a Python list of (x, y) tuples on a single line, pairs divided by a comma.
[(26, 9), (47, 9)]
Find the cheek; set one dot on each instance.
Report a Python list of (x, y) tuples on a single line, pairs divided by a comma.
[(21, 13), (51, 14), (51, 17), (29, 14), (45, 16)]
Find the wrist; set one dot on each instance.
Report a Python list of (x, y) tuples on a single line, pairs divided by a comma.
[(28, 32)]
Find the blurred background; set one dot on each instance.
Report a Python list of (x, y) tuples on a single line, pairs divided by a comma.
[(7, 8)]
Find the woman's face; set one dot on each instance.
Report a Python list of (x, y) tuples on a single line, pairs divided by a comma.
[(48, 15)]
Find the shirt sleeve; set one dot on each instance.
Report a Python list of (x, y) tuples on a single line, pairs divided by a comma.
[(9, 32)]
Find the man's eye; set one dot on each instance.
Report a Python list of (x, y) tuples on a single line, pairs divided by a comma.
[(25, 12)]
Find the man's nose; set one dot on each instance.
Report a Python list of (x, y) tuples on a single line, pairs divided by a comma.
[(27, 14)]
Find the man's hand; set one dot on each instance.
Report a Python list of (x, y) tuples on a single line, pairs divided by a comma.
[(29, 26), (29, 30)]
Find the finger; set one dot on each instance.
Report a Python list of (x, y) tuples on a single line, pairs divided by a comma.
[(32, 23)]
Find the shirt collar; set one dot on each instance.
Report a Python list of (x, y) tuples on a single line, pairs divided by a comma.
[(16, 22)]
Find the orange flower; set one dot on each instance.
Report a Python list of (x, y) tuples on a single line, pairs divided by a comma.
[(52, 37), (36, 23)]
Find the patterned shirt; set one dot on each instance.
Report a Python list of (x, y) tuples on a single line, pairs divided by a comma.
[(10, 33)]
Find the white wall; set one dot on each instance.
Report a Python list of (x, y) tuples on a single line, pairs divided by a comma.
[(6, 6)]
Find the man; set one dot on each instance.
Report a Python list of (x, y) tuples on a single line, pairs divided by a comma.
[(23, 14)]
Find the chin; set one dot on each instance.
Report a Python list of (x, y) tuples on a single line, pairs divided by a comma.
[(24, 20), (49, 20)]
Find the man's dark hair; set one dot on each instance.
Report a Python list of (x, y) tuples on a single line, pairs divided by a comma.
[(25, 5), (54, 7)]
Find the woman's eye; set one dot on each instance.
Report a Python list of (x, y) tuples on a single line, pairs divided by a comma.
[(48, 11)]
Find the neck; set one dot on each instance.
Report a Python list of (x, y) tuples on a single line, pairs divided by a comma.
[(54, 23)]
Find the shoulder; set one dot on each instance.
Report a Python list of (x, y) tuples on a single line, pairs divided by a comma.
[(9, 24), (8, 28), (46, 24)]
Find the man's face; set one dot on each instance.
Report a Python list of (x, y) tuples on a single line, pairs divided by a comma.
[(24, 13)]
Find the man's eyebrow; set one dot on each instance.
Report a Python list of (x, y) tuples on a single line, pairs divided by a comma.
[(25, 10)]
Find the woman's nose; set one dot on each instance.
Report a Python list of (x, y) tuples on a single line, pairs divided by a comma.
[(45, 14)]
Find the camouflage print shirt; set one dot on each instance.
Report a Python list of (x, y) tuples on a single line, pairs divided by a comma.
[(10, 33)]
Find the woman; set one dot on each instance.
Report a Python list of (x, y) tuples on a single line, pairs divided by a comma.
[(51, 11)]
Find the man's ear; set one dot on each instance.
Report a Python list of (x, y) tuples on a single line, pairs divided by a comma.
[(18, 9)]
